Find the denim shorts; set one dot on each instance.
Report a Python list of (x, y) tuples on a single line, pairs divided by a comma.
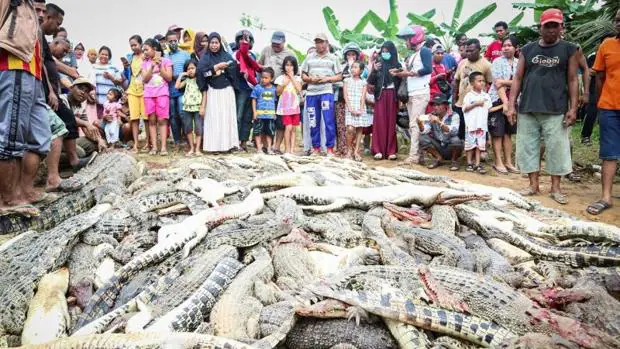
[(24, 120), (192, 122), (609, 120)]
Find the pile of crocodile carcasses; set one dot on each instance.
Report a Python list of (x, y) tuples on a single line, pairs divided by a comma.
[(302, 252)]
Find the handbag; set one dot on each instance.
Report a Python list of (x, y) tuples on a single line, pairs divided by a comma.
[(443, 85)]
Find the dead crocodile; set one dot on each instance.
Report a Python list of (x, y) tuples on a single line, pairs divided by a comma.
[(335, 198), (48, 315), (178, 340), (488, 224), (27, 259), (188, 315)]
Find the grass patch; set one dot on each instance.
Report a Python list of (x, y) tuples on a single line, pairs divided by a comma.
[(583, 154)]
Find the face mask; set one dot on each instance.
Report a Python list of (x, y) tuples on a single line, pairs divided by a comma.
[(386, 56), (173, 45)]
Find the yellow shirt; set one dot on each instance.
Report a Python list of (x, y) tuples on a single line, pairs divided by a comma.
[(136, 87), (467, 67)]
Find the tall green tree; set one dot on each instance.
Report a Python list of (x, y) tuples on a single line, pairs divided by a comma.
[(447, 31)]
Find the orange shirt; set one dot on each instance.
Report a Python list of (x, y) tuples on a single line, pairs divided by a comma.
[(608, 61), (34, 67)]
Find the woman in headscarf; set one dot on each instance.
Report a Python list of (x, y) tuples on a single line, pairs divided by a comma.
[(188, 41), (385, 85), (216, 79), (201, 41), (351, 53)]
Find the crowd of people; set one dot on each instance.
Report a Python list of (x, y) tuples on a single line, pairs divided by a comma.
[(205, 94)]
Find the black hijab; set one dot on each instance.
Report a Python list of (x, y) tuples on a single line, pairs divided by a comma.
[(391, 63), (206, 74)]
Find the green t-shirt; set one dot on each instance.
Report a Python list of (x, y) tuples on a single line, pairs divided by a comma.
[(192, 98)]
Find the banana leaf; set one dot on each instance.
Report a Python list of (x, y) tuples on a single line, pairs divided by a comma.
[(361, 25), (515, 21), (332, 23), (298, 54), (377, 22), (458, 9), (427, 23), (358, 38), (476, 18), (430, 14), (392, 21)]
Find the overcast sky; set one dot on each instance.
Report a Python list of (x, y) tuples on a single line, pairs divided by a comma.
[(112, 22)]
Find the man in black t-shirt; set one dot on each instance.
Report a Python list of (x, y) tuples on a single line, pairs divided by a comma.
[(546, 78)]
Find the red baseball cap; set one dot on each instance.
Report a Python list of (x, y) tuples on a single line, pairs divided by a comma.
[(552, 15)]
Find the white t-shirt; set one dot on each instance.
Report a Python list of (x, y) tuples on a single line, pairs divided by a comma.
[(477, 118), (288, 102)]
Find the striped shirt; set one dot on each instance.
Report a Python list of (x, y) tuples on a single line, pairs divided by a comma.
[(104, 85), (11, 62), (178, 60), (327, 65)]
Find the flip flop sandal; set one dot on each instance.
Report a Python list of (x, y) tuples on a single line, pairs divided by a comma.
[(163, 153), (454, 166), (513, 170), (378, 156), (357, 157), (434, 164), (480, 169), (24, 210), (528, 192), (598, 207), (470, 168), (153, 152), (84, 162), (69, 185), (45, 198), (559, 198), (504, 172), (392, 157)]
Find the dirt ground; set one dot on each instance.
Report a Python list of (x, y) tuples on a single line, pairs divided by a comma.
[(580, 194)]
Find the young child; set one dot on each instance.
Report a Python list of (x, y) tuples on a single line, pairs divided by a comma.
[(264, 108), (289, 87), (192, 98), (356, 117), (157, 73), (476, 105), (110, 122)]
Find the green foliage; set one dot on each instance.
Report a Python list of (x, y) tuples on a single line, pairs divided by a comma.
[(584, 22), (447, 31), (298, 54)]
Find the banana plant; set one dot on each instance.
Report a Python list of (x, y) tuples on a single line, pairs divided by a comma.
[(388, 27), (513, 25), (447, 31)]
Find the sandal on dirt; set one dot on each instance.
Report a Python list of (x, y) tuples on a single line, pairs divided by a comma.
[(598, 207), (392, 157), (454, 166), (24, 210), (480, 169), (528, 192), (500, 171), (378, 156), (573, 177), (434, 164), (559, 198), (357, 157), (153, 152), (513, 170), (470, 168)]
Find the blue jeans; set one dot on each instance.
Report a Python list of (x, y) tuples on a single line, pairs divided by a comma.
[(244, 114), (176, 123)]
